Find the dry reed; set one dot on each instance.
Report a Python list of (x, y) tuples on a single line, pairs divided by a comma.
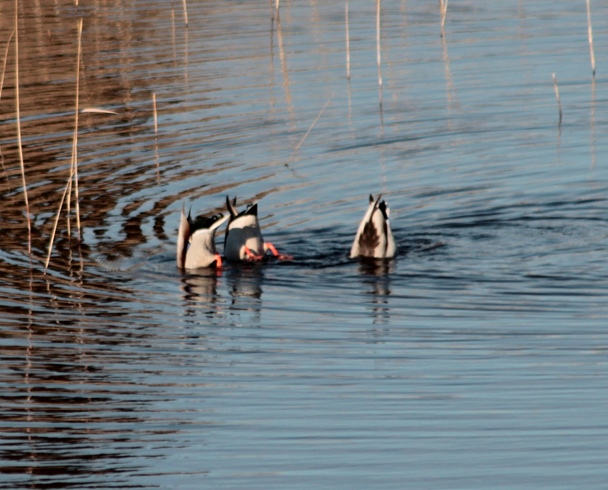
[(378, 58), (65, 192), (155, 115), (590, 35), (185, 12), (559, 102), (347, 43), (443, 6), (75, 138), (295, 150), (8, 44), (155, 136), (18, 111), (97, 110), (73, 163)]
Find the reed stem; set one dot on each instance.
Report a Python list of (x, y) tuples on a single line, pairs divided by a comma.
[(295, 150), (65, 193), (559, 103), (75, 138), (73, 164), (347, 43), (378, 58), (185, 13), (155, 115), (18, 110), (8, 44), (590, 35), (155, 136), (443, 6)]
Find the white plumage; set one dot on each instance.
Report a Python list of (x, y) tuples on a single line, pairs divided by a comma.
[(196, 241), (374, 237)]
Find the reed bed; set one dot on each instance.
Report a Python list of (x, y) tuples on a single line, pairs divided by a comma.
[(72, 191)]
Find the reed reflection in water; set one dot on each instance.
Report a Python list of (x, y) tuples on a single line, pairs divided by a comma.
[(476, 358)]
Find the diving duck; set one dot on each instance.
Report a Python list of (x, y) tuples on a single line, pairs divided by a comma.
[(243, 240), (196, 241), (374, 237)]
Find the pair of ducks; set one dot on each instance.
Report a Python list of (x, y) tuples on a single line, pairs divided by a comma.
[(244, 242)]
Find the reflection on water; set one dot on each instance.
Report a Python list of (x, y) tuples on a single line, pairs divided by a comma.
[(376, 277), (232, 293), (474, 359), (198, 287)]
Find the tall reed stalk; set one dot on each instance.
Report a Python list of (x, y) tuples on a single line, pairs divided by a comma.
[(18, 110), (8, 44), (73, 163), (590, 35), (347, 42), (155, 116), (75, 138), (65, 193), (295, 150), (185, 13), (378, 58), (559, 102), (443, 6), (155, 136)]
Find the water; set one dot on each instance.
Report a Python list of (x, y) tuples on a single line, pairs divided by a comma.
[(476, 359)]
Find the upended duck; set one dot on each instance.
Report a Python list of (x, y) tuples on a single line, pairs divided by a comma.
[(374, 237), (196, 241), (243, 240)]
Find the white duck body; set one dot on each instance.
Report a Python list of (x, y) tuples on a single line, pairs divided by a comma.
[(243, 235), (196, 241), (374, 237)]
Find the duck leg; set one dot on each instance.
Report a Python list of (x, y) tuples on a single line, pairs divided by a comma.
[(275, 252), (252, 256)]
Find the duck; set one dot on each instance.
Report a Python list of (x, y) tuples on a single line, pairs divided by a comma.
[(196, 241), (374, 237), (244, 240)]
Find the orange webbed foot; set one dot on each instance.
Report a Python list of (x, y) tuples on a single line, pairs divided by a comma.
[(275, 252), (252, 256)]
